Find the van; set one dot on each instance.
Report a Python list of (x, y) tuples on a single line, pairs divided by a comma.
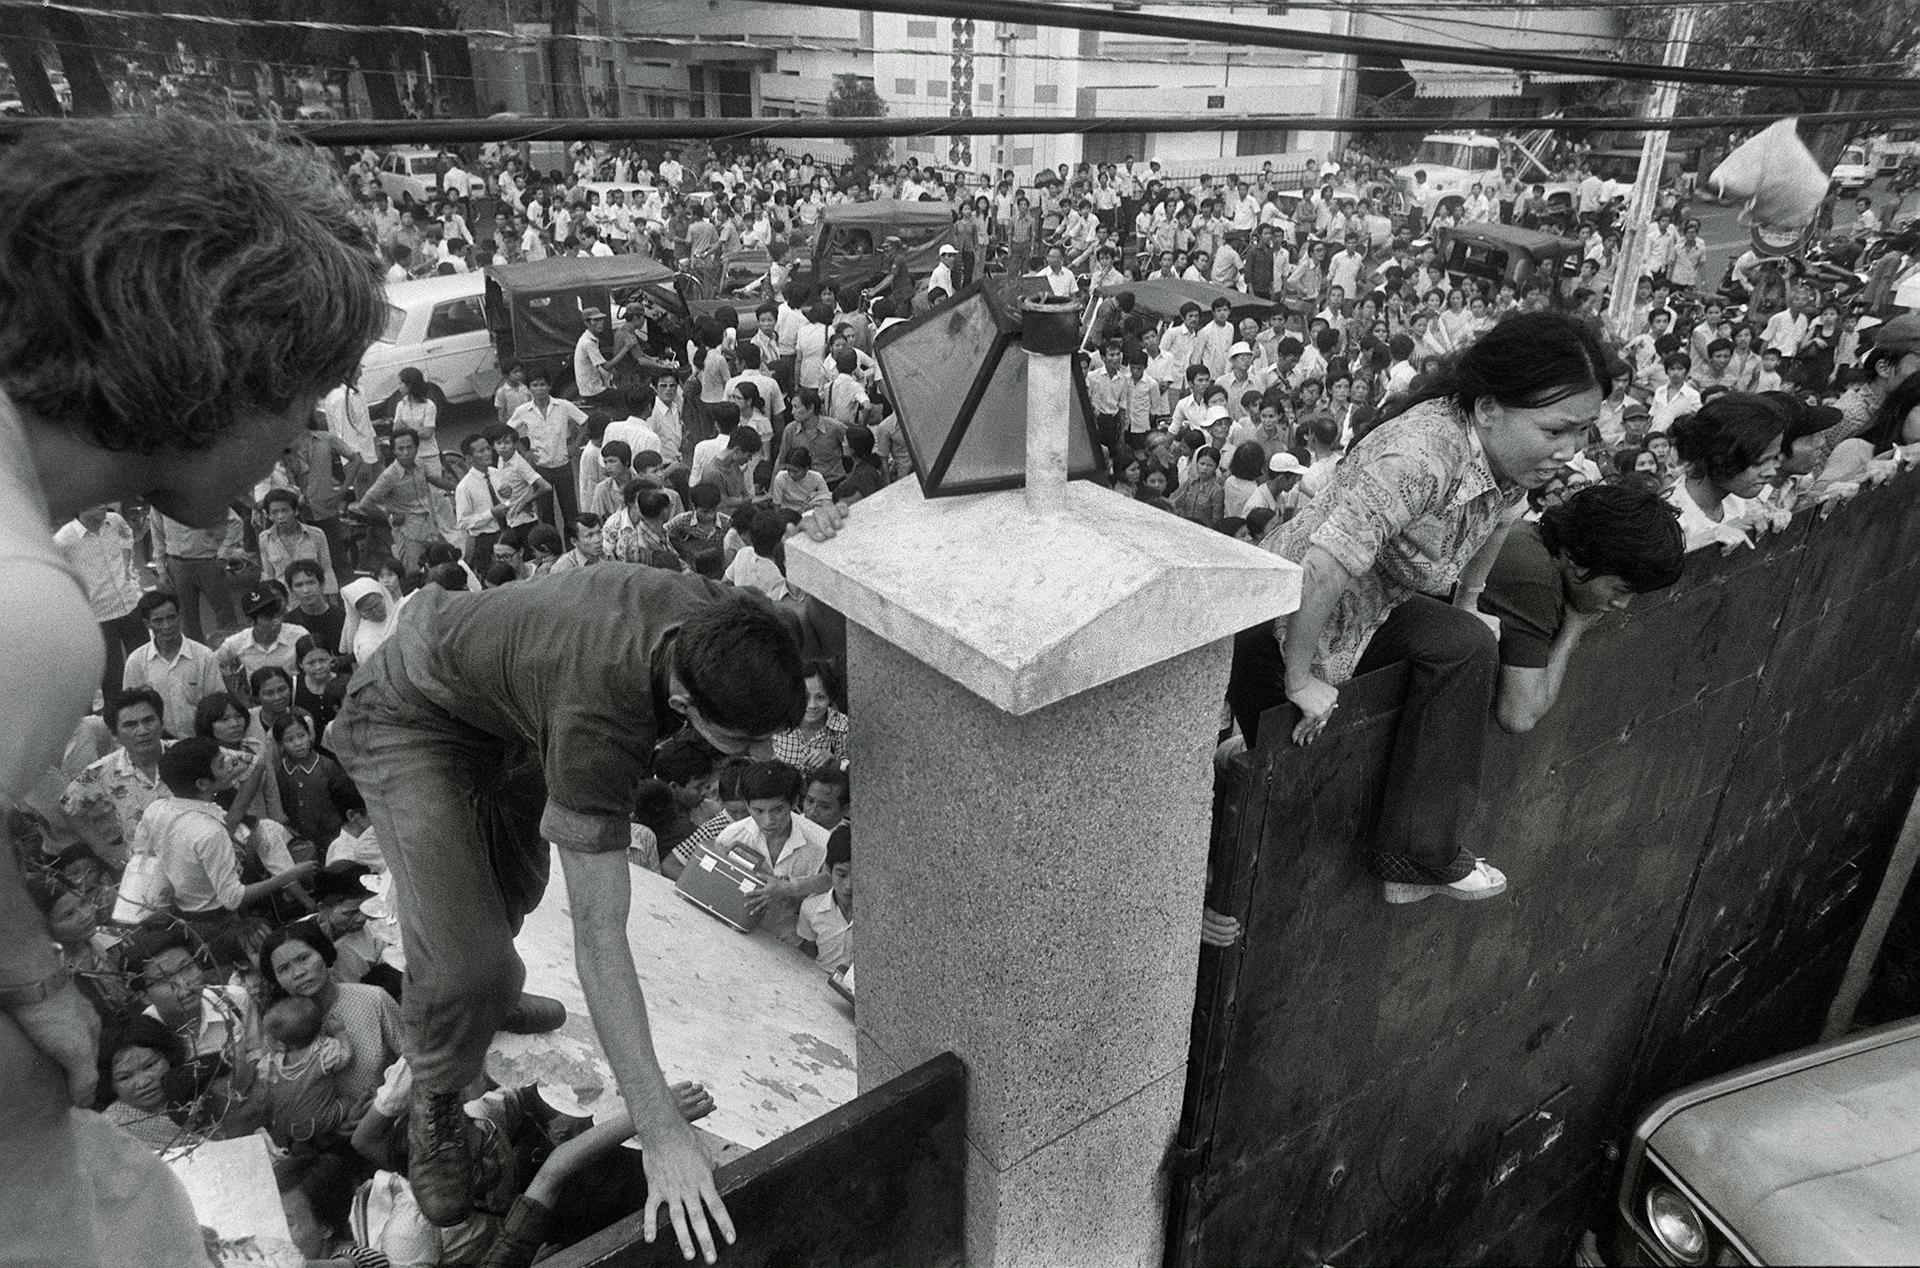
[(440, 325)]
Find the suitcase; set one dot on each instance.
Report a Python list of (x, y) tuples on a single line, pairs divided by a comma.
[(719, 884)]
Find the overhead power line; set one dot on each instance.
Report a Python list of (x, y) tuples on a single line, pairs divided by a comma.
[(1167, 26), (387, 132)]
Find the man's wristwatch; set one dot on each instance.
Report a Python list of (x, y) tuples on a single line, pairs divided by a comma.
[(35, 992)]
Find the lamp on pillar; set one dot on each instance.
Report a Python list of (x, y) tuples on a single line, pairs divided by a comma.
[(959, 380), (1015, 655)]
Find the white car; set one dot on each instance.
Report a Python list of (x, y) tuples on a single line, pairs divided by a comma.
[(440, 325), (412, 176), (1852, 171)]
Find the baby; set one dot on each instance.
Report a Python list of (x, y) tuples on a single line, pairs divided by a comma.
[(299, 1078)]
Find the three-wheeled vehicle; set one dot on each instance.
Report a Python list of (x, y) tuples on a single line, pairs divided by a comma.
[(848, 246), (534, 310), (1503, 254)]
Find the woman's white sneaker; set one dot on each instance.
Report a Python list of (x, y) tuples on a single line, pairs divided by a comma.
[(1484, 881)]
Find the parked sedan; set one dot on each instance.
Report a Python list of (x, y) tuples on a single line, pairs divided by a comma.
[(1810, 1158), (440, 325)]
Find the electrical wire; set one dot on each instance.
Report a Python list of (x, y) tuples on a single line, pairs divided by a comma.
[(1025, 12), (387, 132)]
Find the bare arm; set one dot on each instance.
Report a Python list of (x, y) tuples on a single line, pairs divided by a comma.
[(1473, 578), (1325, 581), (679, 1172), (1526, 695)]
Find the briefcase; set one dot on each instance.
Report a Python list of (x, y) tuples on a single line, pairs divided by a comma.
[(719, 883)]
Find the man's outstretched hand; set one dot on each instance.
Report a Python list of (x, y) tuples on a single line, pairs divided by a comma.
[(680, 1174)]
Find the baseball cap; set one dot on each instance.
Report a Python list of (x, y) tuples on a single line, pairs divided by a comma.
[(1215, 413), (1283, 463), (949, 249), (1240, 349), (1901, 335), (258, 599), (591, 313)]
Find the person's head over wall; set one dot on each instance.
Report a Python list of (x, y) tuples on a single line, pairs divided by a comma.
[(207, 285), (1731, 437), (1530, 387), (1617, 530), (738, 675)]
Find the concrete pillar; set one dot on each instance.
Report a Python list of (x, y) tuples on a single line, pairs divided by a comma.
[(1035, 697)]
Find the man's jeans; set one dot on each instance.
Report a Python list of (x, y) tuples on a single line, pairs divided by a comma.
[(457, 811), (1433, 777)]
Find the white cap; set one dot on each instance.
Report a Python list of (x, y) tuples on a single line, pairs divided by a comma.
[(1241, 349), (949, 249), (1217, 412), (1284, 462)]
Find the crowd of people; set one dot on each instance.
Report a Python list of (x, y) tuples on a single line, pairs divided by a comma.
[(388, 669)]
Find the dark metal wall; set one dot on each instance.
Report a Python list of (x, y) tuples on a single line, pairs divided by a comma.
[(1692, 838), (876, 1183)]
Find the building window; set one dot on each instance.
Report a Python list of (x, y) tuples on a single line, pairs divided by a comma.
[(922, 30), (1022, 156), (1264, 141), (936, 88), (903, 87), (986, 94), (1218, 102), (1045, 94)]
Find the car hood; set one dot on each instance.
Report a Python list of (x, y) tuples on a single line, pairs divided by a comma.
[(1820, 1165)]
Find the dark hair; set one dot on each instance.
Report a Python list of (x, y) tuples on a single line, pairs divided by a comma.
[(544, 537), (767, 781), (501, 574), (266, 674), (305, 568), (649, 502), (840, 846), (682, 760), (299, 931), (749, 395), (448, 577), (132, 696), (393, 437), (186, 762), (1527, 361), (1884, 434), (800, 458), (744, 439), (288, 496), (618, 449), (292, 718), (705, 495), (1249, 461), (767, 532), (1617, 530), (586, 519), (154, 599), (1728, 434), (211, 709), (203, 274), (739, 661)]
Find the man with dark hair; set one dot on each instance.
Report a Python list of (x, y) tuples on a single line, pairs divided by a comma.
[(1588, 555), (182, 671), (311, 607), (107, 799), (491, 724)]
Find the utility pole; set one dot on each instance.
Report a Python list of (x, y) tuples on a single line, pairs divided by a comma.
[(1646, 188)]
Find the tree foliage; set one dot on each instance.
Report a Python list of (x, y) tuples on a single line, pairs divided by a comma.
[(854, 97), (1850, 37)]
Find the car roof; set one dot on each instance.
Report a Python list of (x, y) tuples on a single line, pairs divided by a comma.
[(414, 151), (433, 290), (1532, 241), (887, 211), (569, 272)]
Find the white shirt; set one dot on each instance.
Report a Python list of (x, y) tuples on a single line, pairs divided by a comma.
[(589, 365), (1786, 330), (473, 503), (750, 571), (638, 436), (347, 418), (190, 839), (822, 923), (705, 454), (183, 682), (1668, 405), (546, 430), (104, 559)]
